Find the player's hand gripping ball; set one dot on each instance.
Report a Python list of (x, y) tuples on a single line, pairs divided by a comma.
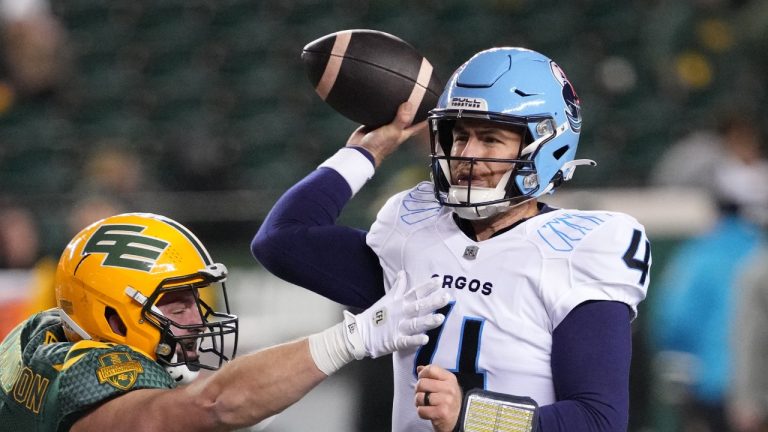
[(366, 74)]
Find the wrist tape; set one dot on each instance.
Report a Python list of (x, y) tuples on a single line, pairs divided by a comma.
[(329, 349)]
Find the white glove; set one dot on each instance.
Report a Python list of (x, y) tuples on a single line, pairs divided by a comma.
[(398, 321)]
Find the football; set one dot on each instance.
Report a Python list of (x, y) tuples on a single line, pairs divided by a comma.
[(366, 74)]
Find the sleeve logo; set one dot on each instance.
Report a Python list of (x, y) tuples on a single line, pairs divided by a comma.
[(563, 232), (119, 369), (125, 247)]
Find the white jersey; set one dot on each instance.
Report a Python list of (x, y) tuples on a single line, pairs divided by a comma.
[(511, 291)]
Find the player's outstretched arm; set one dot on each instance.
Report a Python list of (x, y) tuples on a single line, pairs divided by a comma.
[(256, 386), (241, 394)]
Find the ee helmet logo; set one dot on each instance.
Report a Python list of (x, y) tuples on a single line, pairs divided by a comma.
[(124, 246)]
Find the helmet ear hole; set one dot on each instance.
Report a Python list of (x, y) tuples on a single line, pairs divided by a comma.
[(560, 152), (115, 322)]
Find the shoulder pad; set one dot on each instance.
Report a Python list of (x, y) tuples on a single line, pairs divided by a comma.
[(40, 330), (412, 206), (95, 372), (78, 350), (402, 214), (564, 230), (605, 255)]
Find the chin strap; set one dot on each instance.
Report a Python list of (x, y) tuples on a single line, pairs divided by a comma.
[(73, 326), (182, 374)]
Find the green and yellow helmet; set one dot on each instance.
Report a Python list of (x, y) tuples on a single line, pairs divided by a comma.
[(112, 275)]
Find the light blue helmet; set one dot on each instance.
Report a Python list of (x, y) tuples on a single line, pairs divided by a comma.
[(517, 87)]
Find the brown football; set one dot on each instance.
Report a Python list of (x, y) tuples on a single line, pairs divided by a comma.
[(366, 74)]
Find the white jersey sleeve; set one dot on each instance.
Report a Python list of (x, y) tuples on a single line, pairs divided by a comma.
[(593, 256)]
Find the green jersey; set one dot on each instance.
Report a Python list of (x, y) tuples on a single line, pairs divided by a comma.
[(47, 383)]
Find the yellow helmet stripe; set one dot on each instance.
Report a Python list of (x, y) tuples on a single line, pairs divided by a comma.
[(206, 257)]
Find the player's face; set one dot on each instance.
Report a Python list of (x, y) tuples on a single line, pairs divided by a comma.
[(181, 307), (480, 139)]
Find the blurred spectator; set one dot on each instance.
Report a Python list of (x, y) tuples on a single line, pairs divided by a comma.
[(748, 402), (34, 42), (748, 405), (90, 209), (113, 168), (113, 175), (697, 291), (26, 276), (19, 238), (690, 161)]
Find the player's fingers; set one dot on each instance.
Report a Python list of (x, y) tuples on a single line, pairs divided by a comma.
[(420, 324), (414, 129), (433, 372), (436, 300), (405, 114), (426, 398), (442, 412), (441, 392), (428, 412), (411, 341), (357, 136), (429, 304), (426, 385), (438, 404)]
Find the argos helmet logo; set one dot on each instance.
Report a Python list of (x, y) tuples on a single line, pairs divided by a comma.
[(571, 99)]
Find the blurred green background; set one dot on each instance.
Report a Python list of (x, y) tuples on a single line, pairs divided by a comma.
[(211, 95)]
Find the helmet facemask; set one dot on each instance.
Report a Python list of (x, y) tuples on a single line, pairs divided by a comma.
[(200, 343), (518, 184)]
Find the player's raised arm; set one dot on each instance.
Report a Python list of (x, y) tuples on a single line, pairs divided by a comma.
[(299, 240), (381, 82)]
